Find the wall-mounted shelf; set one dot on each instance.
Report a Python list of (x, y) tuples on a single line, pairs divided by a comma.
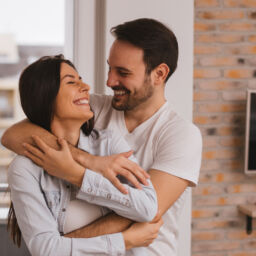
[(250, 212)]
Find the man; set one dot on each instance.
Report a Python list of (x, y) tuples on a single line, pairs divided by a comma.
[(142, 58)]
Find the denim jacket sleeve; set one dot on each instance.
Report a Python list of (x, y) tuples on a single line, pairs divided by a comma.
[(38, 226), (138, 205)]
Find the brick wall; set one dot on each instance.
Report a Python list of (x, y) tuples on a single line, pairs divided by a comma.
[(224, 67)]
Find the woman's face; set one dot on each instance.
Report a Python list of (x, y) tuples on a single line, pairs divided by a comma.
[(72, 101)]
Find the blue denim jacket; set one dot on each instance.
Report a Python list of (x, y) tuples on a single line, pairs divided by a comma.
[(40, 201)]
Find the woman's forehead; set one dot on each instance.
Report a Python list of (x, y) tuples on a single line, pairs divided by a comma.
[(66, 69)]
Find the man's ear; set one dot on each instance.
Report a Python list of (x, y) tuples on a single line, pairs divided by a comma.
[(160, 73)]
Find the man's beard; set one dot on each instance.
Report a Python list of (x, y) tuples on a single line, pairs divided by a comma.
[(129, 102)]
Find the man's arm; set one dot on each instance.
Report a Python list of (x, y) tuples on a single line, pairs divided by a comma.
[(21, 132), (168, 189), (109, 224)]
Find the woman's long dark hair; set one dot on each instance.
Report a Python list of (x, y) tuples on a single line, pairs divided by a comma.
[(38, 86)]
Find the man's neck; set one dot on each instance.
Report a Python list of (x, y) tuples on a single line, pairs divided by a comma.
[(143, 112)]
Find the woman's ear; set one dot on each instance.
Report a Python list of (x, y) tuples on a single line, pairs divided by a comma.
[(160, 74)]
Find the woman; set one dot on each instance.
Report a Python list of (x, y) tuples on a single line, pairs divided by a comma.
[(54, 97)]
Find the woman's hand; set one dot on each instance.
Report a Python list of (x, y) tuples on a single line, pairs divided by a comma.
[(142, 234), (58, 163), (119, 164), (61, 164)]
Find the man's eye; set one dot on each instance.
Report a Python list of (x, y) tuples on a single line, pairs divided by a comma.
[(123, 74)]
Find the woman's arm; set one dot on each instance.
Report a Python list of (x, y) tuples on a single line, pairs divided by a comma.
[(38, 226), (137, 204), (40, 229)]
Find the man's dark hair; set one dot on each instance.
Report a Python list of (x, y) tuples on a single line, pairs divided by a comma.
[(158, 42)]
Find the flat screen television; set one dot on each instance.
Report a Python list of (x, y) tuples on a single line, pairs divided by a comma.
[(250, 134)]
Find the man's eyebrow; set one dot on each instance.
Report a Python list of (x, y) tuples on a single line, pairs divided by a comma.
[(71, 76), (122, 69)]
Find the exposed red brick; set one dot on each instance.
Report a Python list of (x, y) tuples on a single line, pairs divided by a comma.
[(206, 3), (221, 14), (240, 3), (220, 38)]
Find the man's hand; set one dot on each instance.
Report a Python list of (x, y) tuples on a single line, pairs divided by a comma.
[(58, 163), (142, 234)]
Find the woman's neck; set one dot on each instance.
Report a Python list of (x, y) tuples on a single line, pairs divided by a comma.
[(68, 130)]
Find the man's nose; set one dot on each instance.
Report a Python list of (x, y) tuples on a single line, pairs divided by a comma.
[(112, 80)]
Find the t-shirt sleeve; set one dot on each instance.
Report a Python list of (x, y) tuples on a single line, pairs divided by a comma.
[(178, 152), (99, 103)]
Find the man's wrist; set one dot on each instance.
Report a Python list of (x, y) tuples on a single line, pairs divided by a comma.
[(127, 241)]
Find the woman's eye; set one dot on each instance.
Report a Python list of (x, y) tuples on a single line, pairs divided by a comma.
[(71, 82)]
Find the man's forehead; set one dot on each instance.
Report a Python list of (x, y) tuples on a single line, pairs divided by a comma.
[(125, 48), (125, 55)]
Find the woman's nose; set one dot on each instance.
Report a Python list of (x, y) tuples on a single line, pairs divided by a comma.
[(84, 86)]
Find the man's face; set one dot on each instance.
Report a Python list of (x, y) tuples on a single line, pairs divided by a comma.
[(127, 76)]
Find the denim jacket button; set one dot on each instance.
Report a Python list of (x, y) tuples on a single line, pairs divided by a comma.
[(61, 233), (89, 190), (127, 203), (108, 196), (63, 209)]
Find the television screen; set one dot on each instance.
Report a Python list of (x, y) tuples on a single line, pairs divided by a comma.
[(250, 150)]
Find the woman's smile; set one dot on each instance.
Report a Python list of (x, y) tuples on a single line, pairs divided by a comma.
[(81, 101)]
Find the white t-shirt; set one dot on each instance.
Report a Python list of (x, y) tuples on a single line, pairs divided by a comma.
[(165, 142)]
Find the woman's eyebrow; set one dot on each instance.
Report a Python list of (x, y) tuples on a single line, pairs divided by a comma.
[(68, 75)]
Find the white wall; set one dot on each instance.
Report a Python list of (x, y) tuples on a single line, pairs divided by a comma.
[(178, 15)]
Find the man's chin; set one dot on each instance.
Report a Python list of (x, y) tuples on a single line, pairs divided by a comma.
[(118, 107)]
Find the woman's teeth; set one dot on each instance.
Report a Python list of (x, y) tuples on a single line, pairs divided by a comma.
[(81, 102)]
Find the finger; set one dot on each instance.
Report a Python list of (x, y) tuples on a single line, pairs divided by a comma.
[(157, 217), (130, 177), (159, 223), (63, 144), (116, 182), (140, 175), (127, 154), (40, 143), (35, 159), (35, 151), (136, 170), (134, 166)]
